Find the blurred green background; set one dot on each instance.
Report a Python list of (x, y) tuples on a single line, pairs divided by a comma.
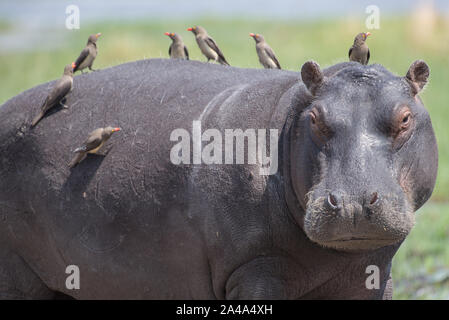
[(421, 267)]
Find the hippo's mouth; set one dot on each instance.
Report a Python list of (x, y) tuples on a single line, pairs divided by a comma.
[(358, 243), (360, 239)]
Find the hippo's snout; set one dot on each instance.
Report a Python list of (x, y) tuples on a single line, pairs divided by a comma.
[(335, 202), (366, 222)]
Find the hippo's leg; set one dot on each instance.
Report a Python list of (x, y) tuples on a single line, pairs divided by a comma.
[(260, 279), (18, 281)]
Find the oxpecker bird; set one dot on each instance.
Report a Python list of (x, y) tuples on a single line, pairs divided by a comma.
[(177, 49), (60, 89), (88, 55), (207, 45), (94, 142), (266, 55), (359, 51)]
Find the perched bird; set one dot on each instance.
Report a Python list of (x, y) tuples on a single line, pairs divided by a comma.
[(177, 48), (359, 51), (94, 142), (207, 45), (61, 88), (88, 55), (266, 55)]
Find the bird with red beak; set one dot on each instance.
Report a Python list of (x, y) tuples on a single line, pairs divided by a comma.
[(207, 45), (88, 55), (177, 49), (359, 52), (266, 55), (93, 144), (60, 90)]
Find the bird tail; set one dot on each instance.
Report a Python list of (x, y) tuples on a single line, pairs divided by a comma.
[(223, 61), (80, 149), (41, 113), (77, 159), (37, 119)]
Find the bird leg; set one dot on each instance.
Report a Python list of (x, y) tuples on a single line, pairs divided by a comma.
[(105, 152), (63, 105), (92, 69)]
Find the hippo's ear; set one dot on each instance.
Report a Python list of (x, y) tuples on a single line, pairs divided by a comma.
[(312, 76), (418, 75)]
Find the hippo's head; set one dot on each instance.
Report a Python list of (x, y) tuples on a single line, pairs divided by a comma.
[(363, 156)]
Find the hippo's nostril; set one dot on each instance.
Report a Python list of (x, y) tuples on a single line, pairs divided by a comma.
[(332, 201), (374, 198)]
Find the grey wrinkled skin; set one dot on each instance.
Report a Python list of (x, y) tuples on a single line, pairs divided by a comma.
[(140, 227)]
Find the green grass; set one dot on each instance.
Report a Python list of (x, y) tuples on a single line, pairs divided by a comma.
[(4, 26), (396, 45), (421, 266)]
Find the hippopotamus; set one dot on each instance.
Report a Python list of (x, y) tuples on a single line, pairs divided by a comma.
[(353, 156)]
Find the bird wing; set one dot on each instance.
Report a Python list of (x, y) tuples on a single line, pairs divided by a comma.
[(211, 43), (368, 56), (272, 56), (59, 91), (81, 58), (93, 141), (186, 52), (169, 49)]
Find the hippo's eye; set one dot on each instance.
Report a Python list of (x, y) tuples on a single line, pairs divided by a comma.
[(406, 120), (402, 125), (312, 117), (403, 120), (320, 131)]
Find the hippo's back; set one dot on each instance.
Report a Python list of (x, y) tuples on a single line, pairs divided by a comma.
[(132, 202), (148, 99)]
